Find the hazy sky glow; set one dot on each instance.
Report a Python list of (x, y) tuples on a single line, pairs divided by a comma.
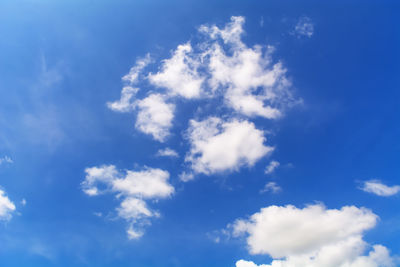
[(199, 133)]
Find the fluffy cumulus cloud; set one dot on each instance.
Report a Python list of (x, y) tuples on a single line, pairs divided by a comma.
[(179, 74), (304, 27), (133, 188), (218, 146), (252, 84), (155, 116), (313, 236), (7, 207), (218, 65), (378, 188)]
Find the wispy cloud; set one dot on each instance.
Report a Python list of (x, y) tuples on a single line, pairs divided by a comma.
[(272, 187), (167, 152), (271, 167), (378, 188), (6, 159), (304, 27)]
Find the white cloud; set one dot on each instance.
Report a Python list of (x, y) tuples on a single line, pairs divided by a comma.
[(271, 187), (133, 188), (272, 166), (133, 76), (312, 237), (155, 116), (304, 27), (186, 176), (179, 74), (220, 66), (125, 104), (6, 207), (253, 85), (6, 159), (23, 202), (218, 146), (380, 189), (167, 152)]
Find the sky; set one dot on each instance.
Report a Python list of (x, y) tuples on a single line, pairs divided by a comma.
[(258, 133)]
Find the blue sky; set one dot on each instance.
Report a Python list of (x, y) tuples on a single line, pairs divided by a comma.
[(249, 133)]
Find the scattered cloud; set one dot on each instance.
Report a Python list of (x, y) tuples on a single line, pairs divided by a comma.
[(125, 104), (155, 116), (7, 207), (218, 146), (378, 188), (304, 27), (252, 84), (133, 76), (219, 65), (272, 166), (312, 236), (133, 188), (6, 159), (186, 176), (179, 74), (272, 187), (167, 152), (23, 202)]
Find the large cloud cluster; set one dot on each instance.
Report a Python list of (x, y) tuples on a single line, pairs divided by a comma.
[(222, 66), (133, 188), (313, 236)]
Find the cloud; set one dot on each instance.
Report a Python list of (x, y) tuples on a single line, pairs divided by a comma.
[(217, 65), (380, 189), (155, 116), (167, 152), (272, 166), (179, 74), (6, 159), (7, 207), (304, 27), (125, 104), (132, 188), (186, 176), (218, 146), (312, 236), (252, 84), (271, 187), (133, 76)]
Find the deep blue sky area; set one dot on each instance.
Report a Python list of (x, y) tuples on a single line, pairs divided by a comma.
[(62, 61)]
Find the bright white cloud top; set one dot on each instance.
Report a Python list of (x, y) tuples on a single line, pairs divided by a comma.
[(7, 207), (133, 188), (312, 236), (218, 146), (378, 188), (220, 65)]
